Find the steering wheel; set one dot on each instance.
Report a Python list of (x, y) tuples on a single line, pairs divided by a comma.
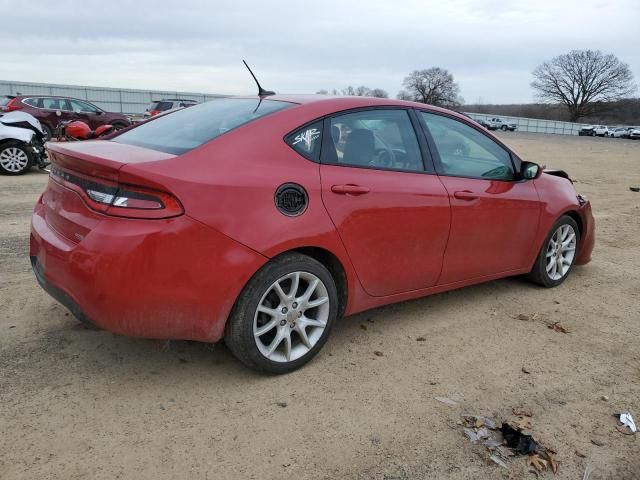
[(384, 158)]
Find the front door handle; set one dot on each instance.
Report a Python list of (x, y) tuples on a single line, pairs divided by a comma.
[(466, 195), (349, 189)]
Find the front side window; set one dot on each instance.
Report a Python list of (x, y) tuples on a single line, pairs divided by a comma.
[(380, 138), (465, 152), (183, 130), (83, 107), (307, 140)]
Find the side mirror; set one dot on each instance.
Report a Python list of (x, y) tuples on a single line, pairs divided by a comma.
[(58, 113), (98, 112), (530, 170)]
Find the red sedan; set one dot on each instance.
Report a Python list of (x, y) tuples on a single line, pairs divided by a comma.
[(264, 220)]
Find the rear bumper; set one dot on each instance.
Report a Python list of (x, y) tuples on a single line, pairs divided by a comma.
[(165, 279)]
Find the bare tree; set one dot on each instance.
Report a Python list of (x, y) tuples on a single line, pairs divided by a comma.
[(379, 93), (322, 92), (360, 91), (434, 86), (583, 80)]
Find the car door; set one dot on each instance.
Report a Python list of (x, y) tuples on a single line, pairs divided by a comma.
[(494, 214), (58, 110), (390, 210), (86, 112)]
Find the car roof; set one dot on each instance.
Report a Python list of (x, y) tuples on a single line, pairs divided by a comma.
[(44, 95), (337, 103)]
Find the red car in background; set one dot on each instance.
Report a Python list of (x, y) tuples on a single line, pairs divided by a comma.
[(264, 220), (50, 110)]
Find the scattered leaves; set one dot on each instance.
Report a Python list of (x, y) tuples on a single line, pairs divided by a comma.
[(282, 404), (446, 400), (363, 327), (527, 318), (521, 423), (558, 327), (526, 370), (551, 458), (522, 411), (378, 353), (535, 461), (421, 339), (634, 189)]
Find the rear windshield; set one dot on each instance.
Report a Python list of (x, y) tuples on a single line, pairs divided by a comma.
[(183, 130)]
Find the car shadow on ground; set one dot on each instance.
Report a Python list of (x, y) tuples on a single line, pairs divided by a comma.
[(93, 352)]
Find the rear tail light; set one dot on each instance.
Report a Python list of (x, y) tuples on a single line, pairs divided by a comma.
[(12, 105), (129, 201)]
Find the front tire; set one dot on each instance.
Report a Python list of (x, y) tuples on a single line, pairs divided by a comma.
[(558, 254), (503, 128), (15, 158), (284, 315)]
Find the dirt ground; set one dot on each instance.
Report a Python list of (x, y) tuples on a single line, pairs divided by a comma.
[(86, 404)]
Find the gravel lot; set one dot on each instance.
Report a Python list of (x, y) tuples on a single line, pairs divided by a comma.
[(78, 403)]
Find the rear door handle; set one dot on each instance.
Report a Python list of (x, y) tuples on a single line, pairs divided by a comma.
[(466, 195), (349, 189)]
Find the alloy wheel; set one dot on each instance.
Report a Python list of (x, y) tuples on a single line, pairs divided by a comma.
[(14, 159), (561, 251), (291, 317)]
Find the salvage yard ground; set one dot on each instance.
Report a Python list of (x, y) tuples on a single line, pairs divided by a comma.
[(86, 404)]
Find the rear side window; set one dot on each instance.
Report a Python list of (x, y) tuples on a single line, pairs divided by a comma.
[(380, 138), (183, 130), (307, 141)]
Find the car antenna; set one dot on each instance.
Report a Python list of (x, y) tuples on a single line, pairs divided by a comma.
[(261, 91)]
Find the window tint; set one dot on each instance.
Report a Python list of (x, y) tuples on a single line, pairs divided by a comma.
[(55, 104), (374, 138), (182, 130), (307, 141), (466, 152), (78, 106)]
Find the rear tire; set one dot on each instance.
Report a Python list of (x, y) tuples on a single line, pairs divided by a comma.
[(503, 128), (15, 158), (284, 315), (558, 254)]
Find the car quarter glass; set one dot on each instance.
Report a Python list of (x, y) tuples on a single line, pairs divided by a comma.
[(307, 141), (378, 138), (466, 152)]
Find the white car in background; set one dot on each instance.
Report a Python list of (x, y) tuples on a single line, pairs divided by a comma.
[(619, 132), (601, 130), (634, 134)]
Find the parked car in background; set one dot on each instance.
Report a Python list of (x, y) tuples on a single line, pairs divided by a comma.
[(500, 124), (601, 130), (620, 132), (310, 235), (159, 106), (586, 131), (634, 134), (50, 110), (483, 122), (21, 143)]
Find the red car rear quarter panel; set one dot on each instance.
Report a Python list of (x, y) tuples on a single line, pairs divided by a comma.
[(138, 278), (230, 183)]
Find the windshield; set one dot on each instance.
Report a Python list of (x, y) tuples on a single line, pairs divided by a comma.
[(186, 129)]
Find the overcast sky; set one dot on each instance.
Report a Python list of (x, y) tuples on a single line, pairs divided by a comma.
[(490, 46)]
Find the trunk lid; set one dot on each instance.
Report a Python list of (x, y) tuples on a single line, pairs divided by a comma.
[(79, 165)]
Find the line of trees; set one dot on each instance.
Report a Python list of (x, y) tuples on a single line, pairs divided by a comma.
[(581, 84)]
